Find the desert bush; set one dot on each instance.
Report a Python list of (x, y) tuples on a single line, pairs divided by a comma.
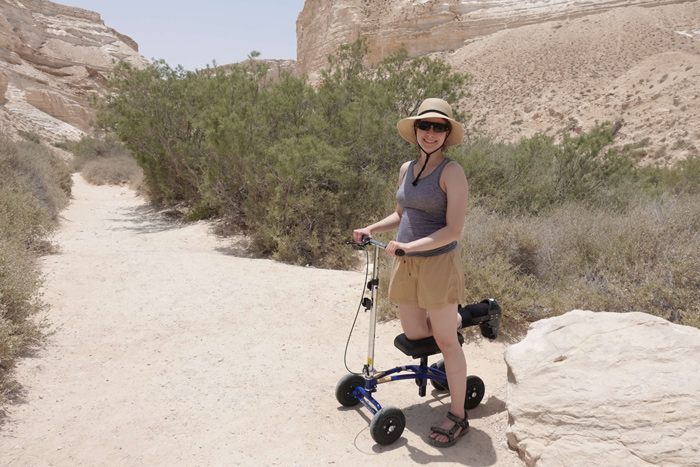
[(35, 168), (311, 209), (681, 178), (104, 160), (24, 220), (34, 186), (152, 112), (20, 300), (95, 148), (30, 136), (536, 174), (111, 170)]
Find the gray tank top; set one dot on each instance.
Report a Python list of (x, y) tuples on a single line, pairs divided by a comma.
[(423, 207)]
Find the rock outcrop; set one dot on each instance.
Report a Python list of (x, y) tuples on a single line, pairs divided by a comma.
[(541, 66), (53, 58), (616, 389)]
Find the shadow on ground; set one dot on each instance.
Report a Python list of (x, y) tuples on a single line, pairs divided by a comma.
[(147, 220)]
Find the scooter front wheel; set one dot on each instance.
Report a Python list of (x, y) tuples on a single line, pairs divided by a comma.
[(387, 425), (345, 387)]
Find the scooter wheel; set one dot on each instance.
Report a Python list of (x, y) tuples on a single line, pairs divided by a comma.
[(345, 387), (439, 385), (475, 392), (387, 425)]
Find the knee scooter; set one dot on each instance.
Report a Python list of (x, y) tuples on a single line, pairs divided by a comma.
[(388, 422)]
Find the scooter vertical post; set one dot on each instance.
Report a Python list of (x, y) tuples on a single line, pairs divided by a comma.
[(369, 368)]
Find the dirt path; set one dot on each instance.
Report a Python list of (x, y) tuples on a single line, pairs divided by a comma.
[(172, 348)]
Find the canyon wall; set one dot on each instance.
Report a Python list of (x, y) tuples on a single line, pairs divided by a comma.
[(53, 59), (426, 26), (544, 66)]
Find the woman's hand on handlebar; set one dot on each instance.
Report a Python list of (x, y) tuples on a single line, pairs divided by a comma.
[(359, 233), (393, 246)]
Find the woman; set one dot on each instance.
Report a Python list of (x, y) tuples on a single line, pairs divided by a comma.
[(427, 283)]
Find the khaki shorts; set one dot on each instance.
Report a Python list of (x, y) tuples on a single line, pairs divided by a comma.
[(431, 282)]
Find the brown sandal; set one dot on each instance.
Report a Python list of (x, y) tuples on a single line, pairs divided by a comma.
[(452, 439)]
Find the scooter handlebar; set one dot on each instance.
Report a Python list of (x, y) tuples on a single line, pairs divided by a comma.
[(367, 240)]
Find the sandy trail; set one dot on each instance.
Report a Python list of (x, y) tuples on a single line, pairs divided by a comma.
[(172, 348)]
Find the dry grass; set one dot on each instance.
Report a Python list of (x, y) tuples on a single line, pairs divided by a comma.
[(645, 259), (105, 161), (34, 187), (114, 170)]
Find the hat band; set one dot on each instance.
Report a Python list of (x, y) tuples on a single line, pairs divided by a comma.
[(436, 111)]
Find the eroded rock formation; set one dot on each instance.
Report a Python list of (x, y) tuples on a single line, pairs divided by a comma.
[(618, 389), (53, 58)]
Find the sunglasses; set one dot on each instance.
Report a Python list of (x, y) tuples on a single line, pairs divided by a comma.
[(437, 127)]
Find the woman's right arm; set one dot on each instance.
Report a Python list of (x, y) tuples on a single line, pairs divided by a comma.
[(390, 222)]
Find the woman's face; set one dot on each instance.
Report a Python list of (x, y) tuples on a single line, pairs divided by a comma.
[(430, 140)]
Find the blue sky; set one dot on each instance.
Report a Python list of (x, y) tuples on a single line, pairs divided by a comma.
[(193, 33)]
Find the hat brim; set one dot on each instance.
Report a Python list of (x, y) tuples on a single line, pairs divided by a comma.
[(405, 127)]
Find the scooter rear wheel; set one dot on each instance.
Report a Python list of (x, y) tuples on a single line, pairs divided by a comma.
[(439, 385), (475, 387), (475, 392)]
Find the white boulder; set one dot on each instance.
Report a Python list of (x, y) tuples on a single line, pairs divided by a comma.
[(594, 388)]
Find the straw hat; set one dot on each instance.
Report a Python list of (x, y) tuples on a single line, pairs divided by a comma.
[(430, 108)]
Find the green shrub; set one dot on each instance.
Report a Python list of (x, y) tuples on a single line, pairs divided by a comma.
[(682, 178), (536, 174), (152, 112), (292, 166), (314, 192)]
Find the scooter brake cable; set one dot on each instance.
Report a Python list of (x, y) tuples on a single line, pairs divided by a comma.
[(347, 344)]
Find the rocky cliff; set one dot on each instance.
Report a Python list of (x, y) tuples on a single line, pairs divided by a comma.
[(53, 58), (541, 66)]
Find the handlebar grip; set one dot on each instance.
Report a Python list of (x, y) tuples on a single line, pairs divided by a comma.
[(367, 240)]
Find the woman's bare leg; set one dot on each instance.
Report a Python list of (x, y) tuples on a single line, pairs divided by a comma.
[(414, 321), (442, 322)]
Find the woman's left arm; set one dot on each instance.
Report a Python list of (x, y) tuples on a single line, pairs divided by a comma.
[(454, 183)]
